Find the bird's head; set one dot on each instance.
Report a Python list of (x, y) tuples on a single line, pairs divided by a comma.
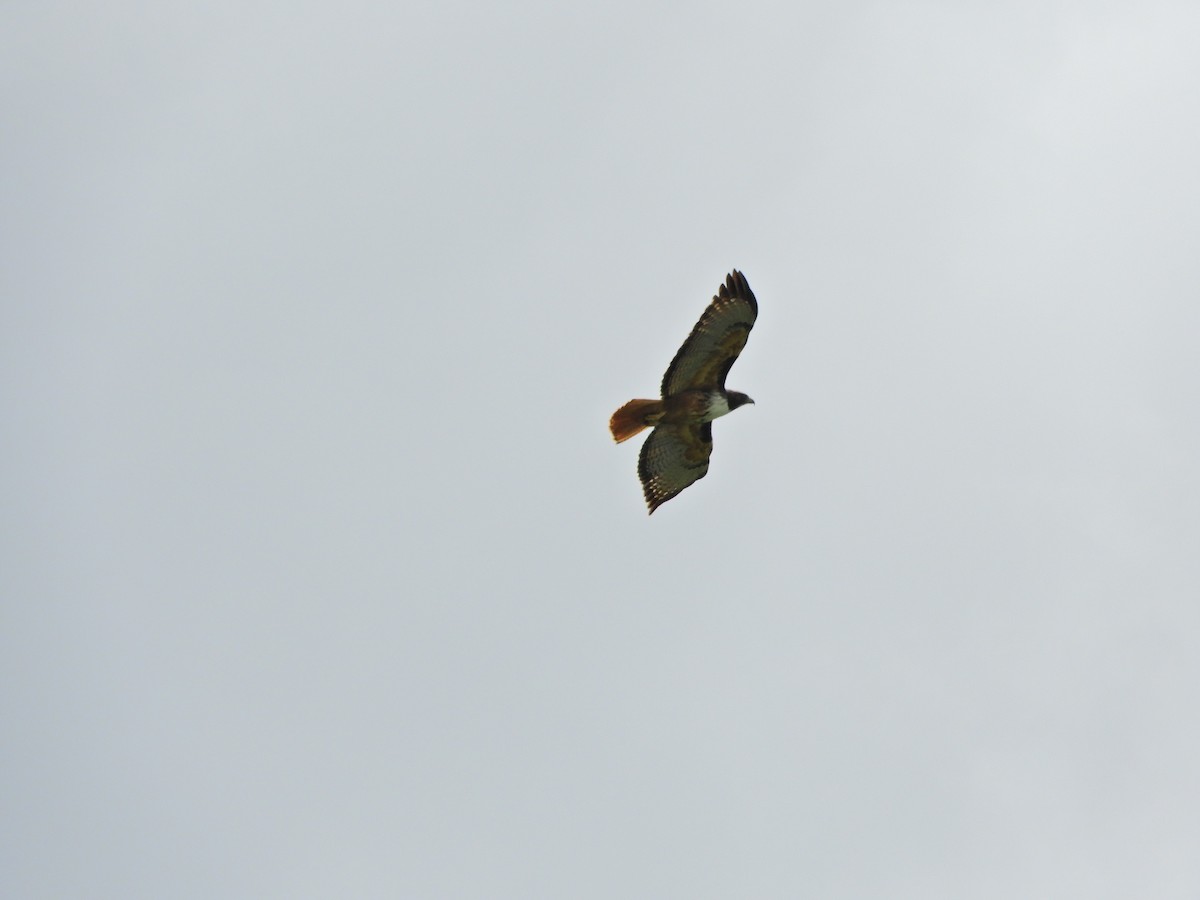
[(737, 399)]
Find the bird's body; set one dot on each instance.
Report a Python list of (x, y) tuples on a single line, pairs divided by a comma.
[(685, 408), (677, 451)]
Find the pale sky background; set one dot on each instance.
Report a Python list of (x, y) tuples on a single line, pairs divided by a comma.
[(322, 577)]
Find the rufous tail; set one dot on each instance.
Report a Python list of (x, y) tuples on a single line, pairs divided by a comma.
[(633, 417)]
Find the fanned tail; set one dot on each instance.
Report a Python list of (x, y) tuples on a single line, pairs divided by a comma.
[(633, 417)]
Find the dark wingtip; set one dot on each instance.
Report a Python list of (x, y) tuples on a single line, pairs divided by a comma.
[(737, 286)]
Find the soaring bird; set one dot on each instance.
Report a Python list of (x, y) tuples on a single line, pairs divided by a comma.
[(676, 453)]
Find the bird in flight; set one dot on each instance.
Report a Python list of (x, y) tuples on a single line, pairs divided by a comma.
[(676, 453)]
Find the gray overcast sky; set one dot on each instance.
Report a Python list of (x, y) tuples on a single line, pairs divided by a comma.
[(321, 576)]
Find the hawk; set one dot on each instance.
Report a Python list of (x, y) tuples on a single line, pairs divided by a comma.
[(676, 453)]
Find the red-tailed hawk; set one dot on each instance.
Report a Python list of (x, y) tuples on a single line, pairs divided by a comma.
[(676, 453)]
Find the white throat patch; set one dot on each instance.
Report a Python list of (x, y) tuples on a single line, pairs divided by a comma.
[(717, 406)]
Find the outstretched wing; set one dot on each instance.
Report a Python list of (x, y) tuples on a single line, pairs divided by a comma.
[(673, 457), (707, 355)]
